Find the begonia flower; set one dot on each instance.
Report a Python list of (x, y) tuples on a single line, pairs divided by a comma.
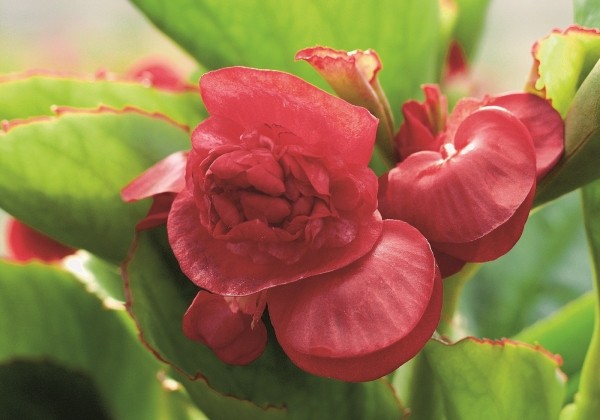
[(467, 182), (25, 244), (279, 208)]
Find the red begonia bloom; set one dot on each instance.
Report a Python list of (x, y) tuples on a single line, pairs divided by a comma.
[(26, 244), (468, 183), (279, 208)]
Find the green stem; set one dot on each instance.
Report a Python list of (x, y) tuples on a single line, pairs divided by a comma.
[(453, 287)]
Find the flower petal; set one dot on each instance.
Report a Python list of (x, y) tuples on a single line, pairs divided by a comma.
[(422, 123), (211, 263), (463, 197), (25, 244), (226, 330), (167, 176), (493, 245), (543, 122), (252, 98), (363, 321)]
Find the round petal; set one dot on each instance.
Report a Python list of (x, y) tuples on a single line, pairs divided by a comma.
[(543, 122), (465, 195), (25, 244), (362, 322), (327, 124), (213, 264), (230, 333)]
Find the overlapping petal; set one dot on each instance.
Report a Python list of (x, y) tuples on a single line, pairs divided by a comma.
[(327, 125), (361, 322), (468, 181), (222, 266), (232, 333), (471, 186)]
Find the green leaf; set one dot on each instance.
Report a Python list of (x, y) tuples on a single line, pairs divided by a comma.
[(63, 175), (46, 314), (579, 165), (565, 59), (33, 95), (484, 379), (270, 387), (573, 323), (267, 34), (587, 13), (546, 269)]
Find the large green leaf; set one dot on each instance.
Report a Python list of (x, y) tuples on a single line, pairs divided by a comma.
[(46, 314), (268, 33), (504, 380), (34, 95), (63, 175), (270, 387)]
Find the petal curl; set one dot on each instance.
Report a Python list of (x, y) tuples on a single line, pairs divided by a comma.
[(463, 197), (211, 264), (234, 335), (252, 98), (362, 322)]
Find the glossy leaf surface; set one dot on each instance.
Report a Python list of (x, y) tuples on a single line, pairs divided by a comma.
[(76, 164), (496, 380)]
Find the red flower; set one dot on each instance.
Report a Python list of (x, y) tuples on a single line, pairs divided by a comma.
[(26, 244), (279, 206), (468, 184)]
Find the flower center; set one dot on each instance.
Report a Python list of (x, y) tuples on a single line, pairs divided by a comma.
[(265, 181)]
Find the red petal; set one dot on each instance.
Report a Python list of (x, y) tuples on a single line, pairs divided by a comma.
[(466, 196), (25, 244), (543, 122), (252, 98), (167, 176), (447, 264), (496, 243), (422, 123), (211, 264), (227, 331), (363, 321)]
